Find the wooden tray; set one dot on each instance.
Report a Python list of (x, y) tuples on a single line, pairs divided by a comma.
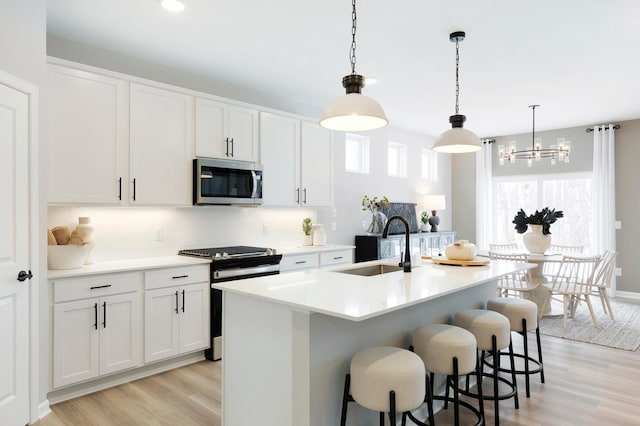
[(477, 261)]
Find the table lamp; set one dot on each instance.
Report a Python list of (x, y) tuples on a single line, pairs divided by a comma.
[(435, 202)]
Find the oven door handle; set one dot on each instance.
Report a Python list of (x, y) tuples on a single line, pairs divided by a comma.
[(239, 272)]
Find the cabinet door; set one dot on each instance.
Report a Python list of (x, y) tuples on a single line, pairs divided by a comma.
[(87, 134), (75, 341), (243, 133), (194, 317), (211, 129), (161, 146), (316, 172), (161, 323), (120, 338), (279, 153)]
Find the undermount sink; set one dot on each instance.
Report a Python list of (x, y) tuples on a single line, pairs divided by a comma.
[(371, 270)]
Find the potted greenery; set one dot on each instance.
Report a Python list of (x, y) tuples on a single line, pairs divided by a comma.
[(424, 221), (539, 239), (378, 219), (307, 240)]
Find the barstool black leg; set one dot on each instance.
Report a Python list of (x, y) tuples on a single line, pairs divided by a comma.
[(456, 395), (392, 409), (496, 367), (479, 385), (429, 398), (381, 418), (540, 353), (345, 400), (526, 356), (513, 375)]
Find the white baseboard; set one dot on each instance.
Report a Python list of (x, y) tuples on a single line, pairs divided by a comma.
[(43, 409), (101, 383), (628, 294)]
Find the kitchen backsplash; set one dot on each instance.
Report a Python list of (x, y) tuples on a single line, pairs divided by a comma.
[(122, 233)]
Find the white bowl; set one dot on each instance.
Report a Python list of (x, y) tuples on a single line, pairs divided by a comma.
[(68, 256)]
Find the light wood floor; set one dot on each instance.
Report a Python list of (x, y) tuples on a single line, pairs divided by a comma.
[(585, 385)]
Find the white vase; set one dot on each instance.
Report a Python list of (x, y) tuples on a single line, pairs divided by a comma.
[(307, 240), (535, 241), (85, 232)]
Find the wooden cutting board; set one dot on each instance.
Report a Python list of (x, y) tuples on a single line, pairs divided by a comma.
[(477, 261)]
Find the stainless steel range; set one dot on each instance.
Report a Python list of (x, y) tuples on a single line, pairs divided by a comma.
[(228, 264)]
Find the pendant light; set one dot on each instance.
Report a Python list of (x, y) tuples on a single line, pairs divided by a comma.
[(353, 111), (457, 140)]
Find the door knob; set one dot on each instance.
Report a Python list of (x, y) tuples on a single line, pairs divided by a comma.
[(22, 275)]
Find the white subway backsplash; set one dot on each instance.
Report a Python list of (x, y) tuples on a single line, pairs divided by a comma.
[(122, 233)]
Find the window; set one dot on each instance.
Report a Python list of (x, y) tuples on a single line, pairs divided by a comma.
[(569, 192), (396, 159), (356, 154), (429, 165)]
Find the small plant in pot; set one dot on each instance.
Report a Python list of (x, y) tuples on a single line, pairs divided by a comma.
[(424, 221), (307, 240), (539, 239)]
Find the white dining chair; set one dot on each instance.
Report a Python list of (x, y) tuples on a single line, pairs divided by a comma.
[(603, 278), (574, 282), (517, 284), (503, 247), (565, 249)]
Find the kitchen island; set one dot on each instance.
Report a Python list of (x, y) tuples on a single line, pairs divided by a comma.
[(289, 338)]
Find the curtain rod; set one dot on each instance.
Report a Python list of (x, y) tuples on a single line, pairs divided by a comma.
[(615, 126)]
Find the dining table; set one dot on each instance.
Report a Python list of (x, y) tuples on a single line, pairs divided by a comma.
[(548, 263)]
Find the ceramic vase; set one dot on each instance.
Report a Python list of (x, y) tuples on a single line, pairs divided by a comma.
[(307, 240), (378, 221), (85, 232), (535, 241)]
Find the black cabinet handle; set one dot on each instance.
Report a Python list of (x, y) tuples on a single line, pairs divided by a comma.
[(95, 310), (23, 276), (337, 258), (120, 188), (304, 200), (100, 286), (134, 189), (300, 262), (227, 147), (177, 308), (104, 308), (179, 276), (182, 300), (232, 147), (298, 195)]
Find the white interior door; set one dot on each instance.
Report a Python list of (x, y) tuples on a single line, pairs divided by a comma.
[(14, 257)]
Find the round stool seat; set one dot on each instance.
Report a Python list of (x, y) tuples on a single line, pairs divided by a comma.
[(438, 344), (483, 325), (378, 370), (516, 310)]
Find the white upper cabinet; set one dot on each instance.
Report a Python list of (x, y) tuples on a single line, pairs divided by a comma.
[(160, 146), (226, 131), (88, 135), (316, 171), (279, 153), (296, 156)]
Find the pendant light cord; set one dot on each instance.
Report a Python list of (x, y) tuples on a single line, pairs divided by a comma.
[(352, 50), (533, 133), (457, 75)]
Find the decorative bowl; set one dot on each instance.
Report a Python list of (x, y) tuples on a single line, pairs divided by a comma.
[(67, 256)]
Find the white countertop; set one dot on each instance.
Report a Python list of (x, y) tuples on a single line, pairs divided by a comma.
[(358, 298), (312, 249), (127, 265)]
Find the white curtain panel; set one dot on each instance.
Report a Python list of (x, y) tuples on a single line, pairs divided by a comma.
[(604, 189), (484, 197)]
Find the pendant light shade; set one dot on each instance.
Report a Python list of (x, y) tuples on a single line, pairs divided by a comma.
[(457, 140), (353, 111)]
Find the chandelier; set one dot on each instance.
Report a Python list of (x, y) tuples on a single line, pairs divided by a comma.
[(558, 152)]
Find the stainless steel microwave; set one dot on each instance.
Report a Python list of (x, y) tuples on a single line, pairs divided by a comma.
[(227, 182)]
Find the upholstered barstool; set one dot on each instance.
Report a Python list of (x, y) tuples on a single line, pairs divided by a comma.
[(451, 351), (384, 379), (523, 317), (493, 333)]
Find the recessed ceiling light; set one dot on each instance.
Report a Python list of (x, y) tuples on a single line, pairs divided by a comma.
[(172, 5)]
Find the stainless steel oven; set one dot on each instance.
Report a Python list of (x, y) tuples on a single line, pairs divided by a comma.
[(229, 264)]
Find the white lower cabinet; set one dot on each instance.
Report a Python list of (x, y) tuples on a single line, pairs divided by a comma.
[(176, 316), (98, 335), (315, 259)]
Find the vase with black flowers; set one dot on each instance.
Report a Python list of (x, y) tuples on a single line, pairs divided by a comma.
[(538, 239)]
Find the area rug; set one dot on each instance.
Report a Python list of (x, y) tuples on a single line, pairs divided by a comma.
[(623, 333)]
